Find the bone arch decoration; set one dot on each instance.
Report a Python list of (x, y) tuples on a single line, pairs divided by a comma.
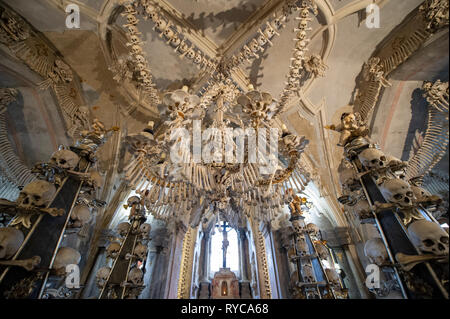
[(13, 170), (33, 49)]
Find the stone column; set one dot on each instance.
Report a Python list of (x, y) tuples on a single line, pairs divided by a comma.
[(244, 261), (204, 266)]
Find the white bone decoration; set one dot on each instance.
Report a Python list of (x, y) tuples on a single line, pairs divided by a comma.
[(219, 153)]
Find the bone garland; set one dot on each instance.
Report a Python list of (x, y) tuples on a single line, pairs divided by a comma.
[(12, 168), (141, 65), (258, 43), (435, 141), (18, 36), (174, 38), (299, 59), (396, 51)]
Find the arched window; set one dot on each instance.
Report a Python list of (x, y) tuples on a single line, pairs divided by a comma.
[(216, 256)]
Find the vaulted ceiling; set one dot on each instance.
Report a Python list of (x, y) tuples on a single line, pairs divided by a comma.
[(221, 28)]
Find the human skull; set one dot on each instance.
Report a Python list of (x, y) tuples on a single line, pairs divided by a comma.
[(312, 229), (397, 191), (198, 57), (262, 40), (175, 41), (375, 251), (81, 215), (144, 230), (301, 35), (333, 276), (10, 241), (38, 193), (112, 251), (140, 251), (429, 237), (132, 29), (65, 256), (134, 40), (133, 200), (372, 158), (136, 49), (302, 246), (65, 159), (123, 228), (322, 251), (168, 33), (299, 226), (136, 276), (308, 274), (295, 73), (131, 19), (102, 276), (191, 53), (420, 194), (161, 24)]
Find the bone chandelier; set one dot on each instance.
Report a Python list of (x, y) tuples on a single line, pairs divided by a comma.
[(188, 188)]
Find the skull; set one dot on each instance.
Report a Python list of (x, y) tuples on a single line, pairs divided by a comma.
[(140, 59), (136, 49), (168, 33), (429, 237), (134, 40), (36, 194), (161, 24), (144, 230), (154, 16), (198, 58), (140, 251), (175, 41), (420, 194), (254, 46), (301, 35), (131, 19), (308, 274), (102, 276), (123, 228), (65, 256), (333, 277), (136, 276), (312, 229), (302, 246), (140, 66), (295, 73), (262, 40), (191, 53), (269, 31), (322, 251), (10, 241), (132, 29), (299, 226), (65, 159), (372, 158), (375, 251), (81, 215), (112, 251), (397, 191), (133, 200)]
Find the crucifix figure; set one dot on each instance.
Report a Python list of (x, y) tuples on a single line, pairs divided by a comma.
[(225, 242)]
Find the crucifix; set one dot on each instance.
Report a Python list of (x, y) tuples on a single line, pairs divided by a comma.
[(225, 229)]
